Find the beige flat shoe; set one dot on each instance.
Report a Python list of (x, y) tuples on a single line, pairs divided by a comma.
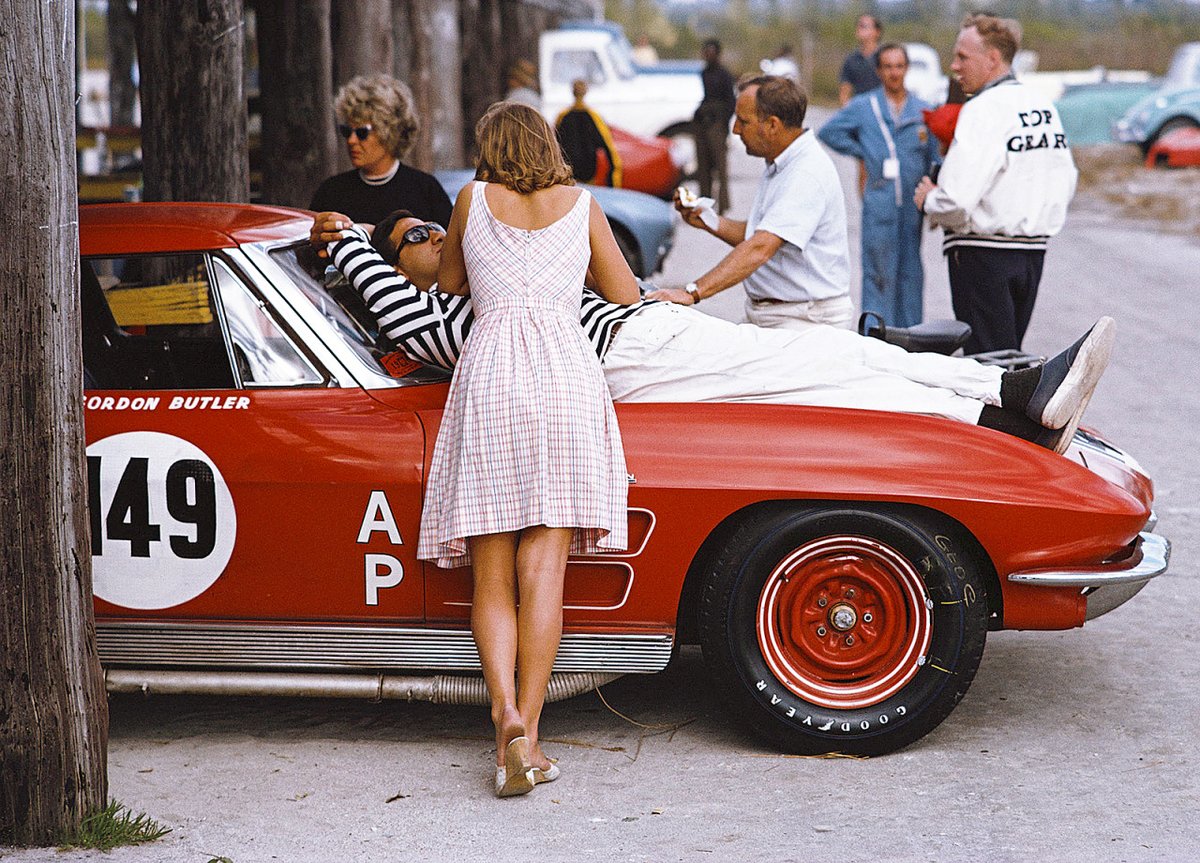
[(517, 775), (540, 775)]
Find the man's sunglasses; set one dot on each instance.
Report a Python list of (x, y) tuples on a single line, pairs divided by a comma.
[(418, 234), (361, 132)]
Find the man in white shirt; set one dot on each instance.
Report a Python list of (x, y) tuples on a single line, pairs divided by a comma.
[(792, 253), (1003, 189)]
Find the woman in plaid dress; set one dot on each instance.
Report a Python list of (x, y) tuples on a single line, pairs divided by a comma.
[(528, 465)]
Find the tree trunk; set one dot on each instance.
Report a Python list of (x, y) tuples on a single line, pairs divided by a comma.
[(402, 41), (362, 39), (435, 80), (483, 67), (53, 713), (193, 100), (299, 144), (122, 52)]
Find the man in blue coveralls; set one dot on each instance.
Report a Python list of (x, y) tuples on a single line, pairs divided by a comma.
[(884, 128)]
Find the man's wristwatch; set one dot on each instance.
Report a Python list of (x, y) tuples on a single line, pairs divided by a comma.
[(693, 289)]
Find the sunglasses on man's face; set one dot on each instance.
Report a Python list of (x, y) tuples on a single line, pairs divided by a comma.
[(418, 234), (360, 132)]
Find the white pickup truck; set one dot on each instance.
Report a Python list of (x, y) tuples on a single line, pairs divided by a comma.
[(645, 100)]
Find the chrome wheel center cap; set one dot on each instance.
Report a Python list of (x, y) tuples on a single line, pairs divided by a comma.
[(842, 617)]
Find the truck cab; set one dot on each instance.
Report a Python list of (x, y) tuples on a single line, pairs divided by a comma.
[(646, 100)]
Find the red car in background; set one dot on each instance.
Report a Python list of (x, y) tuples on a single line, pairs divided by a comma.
[(256, 454), (1179, 148), (647, 164)]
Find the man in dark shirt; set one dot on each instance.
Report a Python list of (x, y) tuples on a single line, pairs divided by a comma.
[(376, 119), (582, 133), (712, 124), (859, 71)]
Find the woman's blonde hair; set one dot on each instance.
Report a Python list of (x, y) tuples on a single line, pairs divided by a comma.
[(384, 104), (519, 150)]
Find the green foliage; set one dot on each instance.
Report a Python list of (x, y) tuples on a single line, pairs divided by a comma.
[(112, 826), (1068, 34)]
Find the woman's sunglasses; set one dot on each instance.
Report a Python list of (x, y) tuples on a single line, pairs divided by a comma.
[(361, 132), (418, 234)]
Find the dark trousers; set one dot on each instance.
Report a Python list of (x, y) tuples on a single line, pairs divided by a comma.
[(994, 290), (712, 142)]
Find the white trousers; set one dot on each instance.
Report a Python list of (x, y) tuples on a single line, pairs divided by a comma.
[(672, 353), (833, 312)]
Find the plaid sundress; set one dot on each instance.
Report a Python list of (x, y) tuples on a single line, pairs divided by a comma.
[(529, 435)]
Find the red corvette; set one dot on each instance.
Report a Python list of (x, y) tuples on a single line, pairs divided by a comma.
[(256, 455)]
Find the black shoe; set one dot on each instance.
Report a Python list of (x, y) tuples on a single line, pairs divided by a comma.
[(1068, 380)]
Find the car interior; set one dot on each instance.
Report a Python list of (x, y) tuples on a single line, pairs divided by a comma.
[(148, 356)]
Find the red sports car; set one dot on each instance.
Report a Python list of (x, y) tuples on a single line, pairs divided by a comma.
[(1179, 148), (256, 454), (647, 164)]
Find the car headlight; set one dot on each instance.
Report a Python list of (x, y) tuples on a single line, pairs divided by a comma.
[(1160, 103)]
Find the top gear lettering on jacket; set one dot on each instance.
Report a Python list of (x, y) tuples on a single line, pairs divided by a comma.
[(1008, 176)]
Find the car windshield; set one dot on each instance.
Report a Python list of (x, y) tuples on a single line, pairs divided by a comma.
[(620, 52), (344, 309), (1185, 67)]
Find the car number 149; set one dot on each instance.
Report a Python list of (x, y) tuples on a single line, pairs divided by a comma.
[(162, 518)]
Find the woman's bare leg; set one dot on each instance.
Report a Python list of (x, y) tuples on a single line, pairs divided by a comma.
[(541, 563), (494, 625)]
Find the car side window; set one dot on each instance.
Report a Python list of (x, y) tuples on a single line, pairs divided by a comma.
[(151, 322), (567, 65), (264, 354)]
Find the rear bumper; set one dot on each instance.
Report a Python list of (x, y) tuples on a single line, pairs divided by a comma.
[(1109, 584)]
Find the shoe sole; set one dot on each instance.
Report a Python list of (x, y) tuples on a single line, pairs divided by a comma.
[(1075, 391), (518, 771), (1059, 440), (540, 776)]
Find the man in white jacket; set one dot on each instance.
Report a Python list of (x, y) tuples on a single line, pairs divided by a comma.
[(1003, 189)]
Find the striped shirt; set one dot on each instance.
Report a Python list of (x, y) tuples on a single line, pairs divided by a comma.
[(432, 326)]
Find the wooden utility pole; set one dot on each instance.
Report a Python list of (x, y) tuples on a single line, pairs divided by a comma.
[(53, 713), (299, 146), (194, 145)]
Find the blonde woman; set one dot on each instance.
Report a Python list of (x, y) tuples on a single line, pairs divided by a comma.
[(528, 465), (375, 118)]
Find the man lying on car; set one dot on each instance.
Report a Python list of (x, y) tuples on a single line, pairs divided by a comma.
[(663, 352)]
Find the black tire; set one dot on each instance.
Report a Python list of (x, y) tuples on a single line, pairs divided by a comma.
[(684, 134), (907, 582), (629, 249)]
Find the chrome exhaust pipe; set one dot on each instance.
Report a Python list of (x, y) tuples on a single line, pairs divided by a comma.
[(437, 688)]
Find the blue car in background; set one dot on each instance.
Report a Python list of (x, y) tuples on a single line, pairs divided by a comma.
[(643, 225), (1175, 105)]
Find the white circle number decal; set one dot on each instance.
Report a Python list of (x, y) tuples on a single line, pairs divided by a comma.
[(163, 523)]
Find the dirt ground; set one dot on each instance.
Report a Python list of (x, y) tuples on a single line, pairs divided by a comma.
[(1114, 182)]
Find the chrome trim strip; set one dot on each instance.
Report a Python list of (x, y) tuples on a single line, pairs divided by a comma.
[(1150, 557), (352, 648), (640, 548), (589, 562)]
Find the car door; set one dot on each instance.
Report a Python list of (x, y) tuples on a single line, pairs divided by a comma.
[(236, 473)]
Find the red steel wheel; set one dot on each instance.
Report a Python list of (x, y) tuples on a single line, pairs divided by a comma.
[(844, 627), (844, 621)]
